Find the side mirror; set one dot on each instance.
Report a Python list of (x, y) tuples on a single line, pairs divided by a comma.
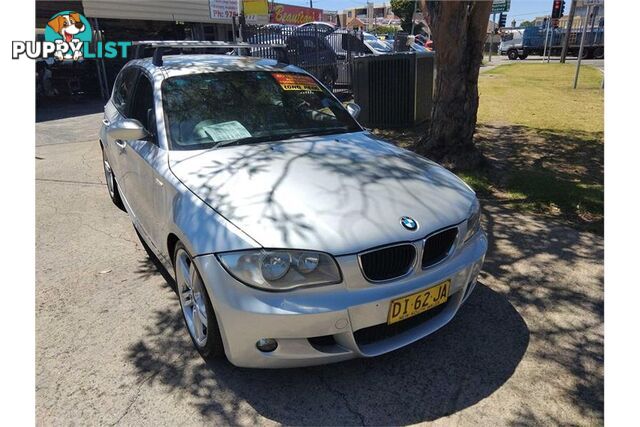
[(127, 130), (353, 109)]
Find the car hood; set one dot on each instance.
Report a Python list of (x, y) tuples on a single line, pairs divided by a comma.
[(339, 194)]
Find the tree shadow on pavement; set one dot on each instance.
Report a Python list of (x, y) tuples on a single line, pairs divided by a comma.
[(68, 107), (536, 269), (450, 370), (553, 276), (559, 174), (544, 272)]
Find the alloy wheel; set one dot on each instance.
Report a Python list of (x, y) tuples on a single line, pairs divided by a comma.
[(192, 297), (108, 174)]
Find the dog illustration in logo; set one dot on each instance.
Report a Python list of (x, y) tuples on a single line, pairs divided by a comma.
[(68, 26)]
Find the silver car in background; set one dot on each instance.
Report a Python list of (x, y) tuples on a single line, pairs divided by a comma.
[(296, 237)]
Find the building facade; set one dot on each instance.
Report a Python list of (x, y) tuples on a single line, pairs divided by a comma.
[(369, 15), (594, 20)]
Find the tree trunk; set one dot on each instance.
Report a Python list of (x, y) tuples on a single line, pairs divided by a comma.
[(459, 30)]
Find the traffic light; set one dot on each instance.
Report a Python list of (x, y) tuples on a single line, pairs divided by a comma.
[(558, 9), (503, 20)]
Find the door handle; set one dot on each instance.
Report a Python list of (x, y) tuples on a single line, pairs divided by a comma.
[(106, 122), (120, 143), (158, 182)]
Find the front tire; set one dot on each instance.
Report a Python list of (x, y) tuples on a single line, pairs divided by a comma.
[(196, 307), (512, 54), (112, 185)]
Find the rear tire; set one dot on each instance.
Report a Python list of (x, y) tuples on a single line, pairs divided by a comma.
[(512, 54), (196, 307), (586, 53), (112, 185)]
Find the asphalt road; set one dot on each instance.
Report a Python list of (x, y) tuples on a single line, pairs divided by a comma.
[(112, 349), (534, 59)]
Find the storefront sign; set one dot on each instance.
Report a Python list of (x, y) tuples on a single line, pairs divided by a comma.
[(255, 7), (255, 11), (223, 9), (293, 15)]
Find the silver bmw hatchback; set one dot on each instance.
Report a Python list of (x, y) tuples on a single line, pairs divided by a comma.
[(296, 237)]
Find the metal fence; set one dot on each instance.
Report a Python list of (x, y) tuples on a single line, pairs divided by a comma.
[(394, 90), (324, 52)]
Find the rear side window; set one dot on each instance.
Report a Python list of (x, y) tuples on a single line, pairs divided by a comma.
[(123, 89)]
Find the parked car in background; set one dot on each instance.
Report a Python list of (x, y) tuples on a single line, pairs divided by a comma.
[(416, 47), (421, 39), (295, 236), (314, 54), (375, 45), (345, 41), (430, 46), (321, 27), (306, 47)]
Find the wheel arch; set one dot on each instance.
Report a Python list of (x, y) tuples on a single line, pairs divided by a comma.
[(199, 227), (172, 241)]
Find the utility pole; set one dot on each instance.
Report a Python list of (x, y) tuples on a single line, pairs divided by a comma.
[(565, 43), (550, 45), (546, 36), (584, 33), (311, 4), (491, 36)]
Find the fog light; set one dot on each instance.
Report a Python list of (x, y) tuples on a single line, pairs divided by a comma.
[(267, 344)]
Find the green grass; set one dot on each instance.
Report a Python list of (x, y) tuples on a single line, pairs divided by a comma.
[(543, 189), (478, 181), (542, 96), (544, 141)]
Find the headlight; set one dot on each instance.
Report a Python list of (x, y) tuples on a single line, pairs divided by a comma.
[(473, 221), (279, 270)]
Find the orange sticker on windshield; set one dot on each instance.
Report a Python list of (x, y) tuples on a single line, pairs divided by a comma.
[(290, 81)]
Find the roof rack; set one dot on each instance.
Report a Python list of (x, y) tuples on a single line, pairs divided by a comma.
[(161, 46)]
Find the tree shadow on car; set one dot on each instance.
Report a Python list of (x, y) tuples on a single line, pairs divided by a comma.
[(452, 369)]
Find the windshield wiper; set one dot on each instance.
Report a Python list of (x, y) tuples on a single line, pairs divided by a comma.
[(277, 137), (248, 140)]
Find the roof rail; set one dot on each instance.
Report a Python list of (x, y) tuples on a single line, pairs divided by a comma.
[(161, 46)]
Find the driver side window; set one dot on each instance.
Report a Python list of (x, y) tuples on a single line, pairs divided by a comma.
[(143, 108)]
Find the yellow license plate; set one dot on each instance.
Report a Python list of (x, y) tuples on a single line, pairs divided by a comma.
[(411, 305)]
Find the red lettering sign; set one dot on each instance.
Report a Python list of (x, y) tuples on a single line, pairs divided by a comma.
[(293, 15)]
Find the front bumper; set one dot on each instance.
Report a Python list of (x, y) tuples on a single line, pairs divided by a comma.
[(334, 313)]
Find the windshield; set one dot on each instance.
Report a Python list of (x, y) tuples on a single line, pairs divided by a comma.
[(416, 47), (242, 107), (507, 37), (378, 45)]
